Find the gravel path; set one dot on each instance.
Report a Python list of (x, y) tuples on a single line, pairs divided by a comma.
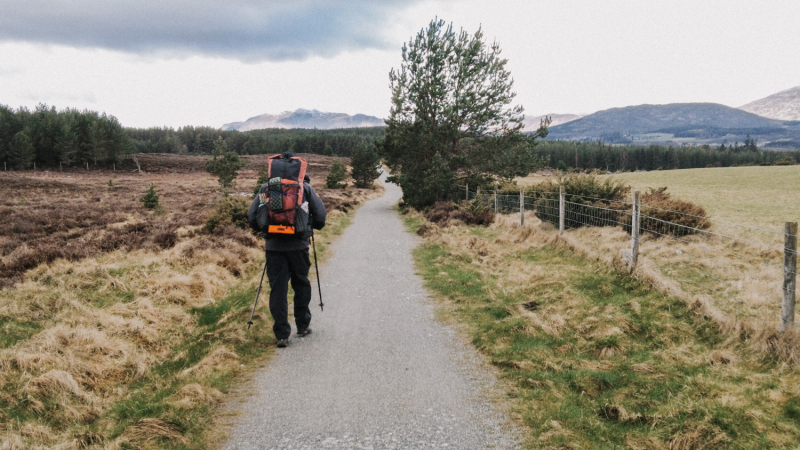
[(378, 371)]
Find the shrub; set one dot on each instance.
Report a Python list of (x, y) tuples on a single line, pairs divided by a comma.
[(584, 195), (787, 161), (224, 165), (236, 234), (663, 215), (228, 211), (150, 198), (166, 238), (474, 214), (366, 166), (337, 175)]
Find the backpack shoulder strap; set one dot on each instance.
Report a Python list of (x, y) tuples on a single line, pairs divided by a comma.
[(301, 177)]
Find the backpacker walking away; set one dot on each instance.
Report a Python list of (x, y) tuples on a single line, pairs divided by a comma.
[(285, 211)]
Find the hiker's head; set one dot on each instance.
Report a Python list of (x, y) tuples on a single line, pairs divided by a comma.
[(287, 155)]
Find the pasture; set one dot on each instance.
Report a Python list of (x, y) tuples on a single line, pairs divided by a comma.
[(755, 195)]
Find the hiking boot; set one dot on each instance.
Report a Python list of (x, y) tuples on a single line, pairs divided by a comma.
[(304, 331), (282, 343)]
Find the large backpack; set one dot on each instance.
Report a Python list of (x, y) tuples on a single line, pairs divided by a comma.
[(282, 209)]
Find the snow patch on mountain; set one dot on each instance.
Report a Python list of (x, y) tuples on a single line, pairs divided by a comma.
[(784, 105)]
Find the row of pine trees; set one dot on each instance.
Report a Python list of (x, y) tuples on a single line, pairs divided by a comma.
[(46, 137), (596, 155)]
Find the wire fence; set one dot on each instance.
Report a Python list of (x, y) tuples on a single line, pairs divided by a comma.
[(735, 264)]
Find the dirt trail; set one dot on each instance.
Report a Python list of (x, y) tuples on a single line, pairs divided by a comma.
[(378, 372)]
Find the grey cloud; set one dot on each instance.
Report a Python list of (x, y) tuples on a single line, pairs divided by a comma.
[(10, 72), (247, 30)]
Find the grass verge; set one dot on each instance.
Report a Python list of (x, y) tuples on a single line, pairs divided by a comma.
[(134, 349), (596, 359)]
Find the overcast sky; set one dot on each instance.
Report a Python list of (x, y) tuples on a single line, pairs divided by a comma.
[(207, 62)]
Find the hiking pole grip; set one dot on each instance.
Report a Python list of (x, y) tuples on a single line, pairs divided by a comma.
[(316, 267), (258, 292)]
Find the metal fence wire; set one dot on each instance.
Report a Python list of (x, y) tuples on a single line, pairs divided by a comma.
[(690, 263)]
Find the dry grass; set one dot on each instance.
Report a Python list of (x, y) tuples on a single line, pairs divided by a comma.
[(738, 286), (46, 216), (107, 323), (127, 346), (733, 274), (598, 359)]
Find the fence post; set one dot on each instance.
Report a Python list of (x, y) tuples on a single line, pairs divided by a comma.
[(495, 198), (635, 219), (521, 207), (561, 208), (789, 275)]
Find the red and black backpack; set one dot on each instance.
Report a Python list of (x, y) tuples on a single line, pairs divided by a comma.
[(282, 209)]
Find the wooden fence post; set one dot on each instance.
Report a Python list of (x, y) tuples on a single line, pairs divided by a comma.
[(561, 208), (521, 207), (635, 219), (495, 198), (789, 275)]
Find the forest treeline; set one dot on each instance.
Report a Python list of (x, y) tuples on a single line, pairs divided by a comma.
[(200, 140), (596, 155), (50, 138), (47, 137)]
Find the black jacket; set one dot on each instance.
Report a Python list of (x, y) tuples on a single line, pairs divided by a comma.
[(280, 243)]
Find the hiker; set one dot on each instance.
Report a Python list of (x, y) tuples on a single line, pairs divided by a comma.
[(287, 242)]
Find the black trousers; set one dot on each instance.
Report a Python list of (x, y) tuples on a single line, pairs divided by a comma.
[(283, 267)]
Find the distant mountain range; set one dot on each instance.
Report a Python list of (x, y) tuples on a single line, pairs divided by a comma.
[(304, 118), (784, 105), (774, 122), (679, 123)]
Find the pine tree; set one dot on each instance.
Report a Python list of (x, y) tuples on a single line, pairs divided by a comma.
[(224, 165), (150, 198), (20, 152), (366, 166), (451, 98), (337, 175)]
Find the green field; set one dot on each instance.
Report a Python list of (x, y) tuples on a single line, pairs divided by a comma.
[(759, 196)]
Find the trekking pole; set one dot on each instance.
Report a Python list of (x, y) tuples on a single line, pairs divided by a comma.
[(250, 322), (314, 246)]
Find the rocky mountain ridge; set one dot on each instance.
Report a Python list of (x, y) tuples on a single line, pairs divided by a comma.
[(305, 118), (677, 124), (784, 105)]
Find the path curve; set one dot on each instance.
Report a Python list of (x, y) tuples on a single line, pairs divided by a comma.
[(378, 371)]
